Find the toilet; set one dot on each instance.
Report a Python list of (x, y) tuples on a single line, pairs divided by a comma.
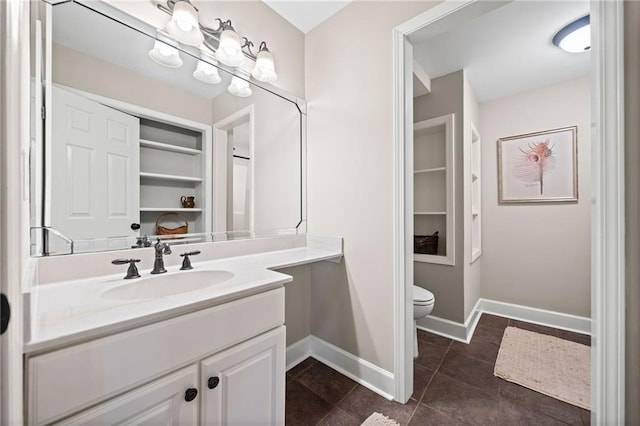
[(423, 301)]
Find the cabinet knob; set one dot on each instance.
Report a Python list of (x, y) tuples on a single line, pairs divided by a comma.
[(135, 226), (213, 382), (190, 394)]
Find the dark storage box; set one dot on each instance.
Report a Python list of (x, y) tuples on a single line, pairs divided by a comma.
[(425, 244)]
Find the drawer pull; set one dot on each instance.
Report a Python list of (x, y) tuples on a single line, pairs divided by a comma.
[(213, 382), (190, 394)]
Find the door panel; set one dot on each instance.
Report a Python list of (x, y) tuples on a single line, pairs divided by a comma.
[(161, 402), (94, 169), (251, 378)]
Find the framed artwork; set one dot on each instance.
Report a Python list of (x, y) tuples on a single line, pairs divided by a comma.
[(539, 167)]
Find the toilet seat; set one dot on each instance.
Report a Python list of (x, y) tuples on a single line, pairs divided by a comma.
[(422, 296)]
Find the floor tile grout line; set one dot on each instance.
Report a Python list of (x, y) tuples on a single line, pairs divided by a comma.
[(435, 372), (334, 406), (413, 413), (308, 367)]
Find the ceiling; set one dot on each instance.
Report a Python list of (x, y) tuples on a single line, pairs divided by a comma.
[(304, 14), (507, 50)]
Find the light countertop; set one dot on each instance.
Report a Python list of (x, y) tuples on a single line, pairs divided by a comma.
[(68, 312)]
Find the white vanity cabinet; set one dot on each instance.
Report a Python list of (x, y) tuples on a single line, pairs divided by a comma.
[(150, 374)]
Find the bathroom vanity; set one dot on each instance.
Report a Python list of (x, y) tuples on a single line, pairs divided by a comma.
[(210, 355)]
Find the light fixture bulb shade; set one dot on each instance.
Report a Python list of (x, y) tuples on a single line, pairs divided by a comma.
[(575, 37), (230, 50), (184, 25), (165, 55), (239, 87), (265, 69), (206, 72)]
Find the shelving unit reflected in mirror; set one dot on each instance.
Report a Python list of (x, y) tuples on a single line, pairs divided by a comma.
[(171, 166)]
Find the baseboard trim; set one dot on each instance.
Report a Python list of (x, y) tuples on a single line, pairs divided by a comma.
[(359, 370), (443, 327), (464, 332), (451, 329), (544, 317), (297, 352)]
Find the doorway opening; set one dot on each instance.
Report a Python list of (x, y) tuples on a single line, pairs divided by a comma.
[(233, 170), (607, 360)]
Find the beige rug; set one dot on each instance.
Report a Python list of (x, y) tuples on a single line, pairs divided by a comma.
[(377, 419), (549, 365)]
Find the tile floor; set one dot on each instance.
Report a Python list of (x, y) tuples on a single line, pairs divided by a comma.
[(453, 385)]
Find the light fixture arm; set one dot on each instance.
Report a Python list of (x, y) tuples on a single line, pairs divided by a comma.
[(248, 44)]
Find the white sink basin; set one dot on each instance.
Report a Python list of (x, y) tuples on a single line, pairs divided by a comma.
[(157, 286)]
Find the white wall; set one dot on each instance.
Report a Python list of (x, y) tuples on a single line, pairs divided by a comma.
[(350, 179), (472, 271), (75, 69), (537, 255)]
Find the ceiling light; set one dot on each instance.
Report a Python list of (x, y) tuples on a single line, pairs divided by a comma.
[(239, 86), (575, 37), (206, 70), (184, 25), (264, 69), (229, 50), (164, 53)]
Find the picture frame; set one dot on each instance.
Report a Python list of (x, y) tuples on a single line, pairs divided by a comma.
[(540, 167)]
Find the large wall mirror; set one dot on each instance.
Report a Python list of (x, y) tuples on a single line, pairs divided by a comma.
[(139, 139)]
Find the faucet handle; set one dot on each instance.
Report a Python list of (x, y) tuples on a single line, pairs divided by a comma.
[(132, 272), (186, 262)]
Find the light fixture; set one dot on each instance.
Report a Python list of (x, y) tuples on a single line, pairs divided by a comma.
[(184, 25), (229, 50), (206, 71), (239, 86), (227, 46), (264, 70), (575, 37), (165, 53)]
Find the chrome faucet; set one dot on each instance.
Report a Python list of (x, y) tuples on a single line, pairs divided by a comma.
[(158, 264)]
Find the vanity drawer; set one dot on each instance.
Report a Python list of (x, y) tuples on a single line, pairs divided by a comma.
[(68, 380)]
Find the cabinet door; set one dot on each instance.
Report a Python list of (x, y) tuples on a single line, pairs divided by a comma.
[(161, 402), (244, 385)]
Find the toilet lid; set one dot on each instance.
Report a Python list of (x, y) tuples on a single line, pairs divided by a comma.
[(422, 295)]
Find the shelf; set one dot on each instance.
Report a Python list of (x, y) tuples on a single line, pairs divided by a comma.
[(430, 213), (169, 147), (433, 258), (435, 169), (169, 209), (169, 177)]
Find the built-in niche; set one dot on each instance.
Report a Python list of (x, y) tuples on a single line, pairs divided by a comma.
[(433, 186)]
